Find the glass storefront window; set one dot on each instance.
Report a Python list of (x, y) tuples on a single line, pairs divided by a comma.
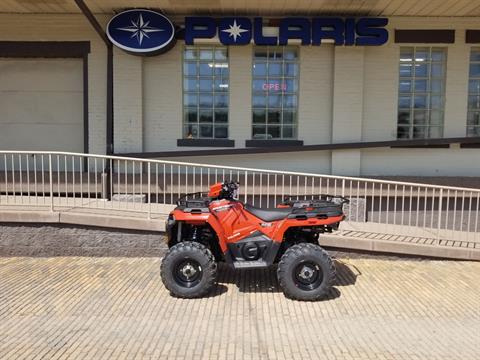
[(205, 92), (275, 93), (421, 95), (473, 105)]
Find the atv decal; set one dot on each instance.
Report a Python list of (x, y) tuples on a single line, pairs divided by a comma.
[(222, 208)]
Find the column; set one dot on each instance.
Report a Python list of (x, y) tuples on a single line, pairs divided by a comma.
[(347, 108), (127, 102)]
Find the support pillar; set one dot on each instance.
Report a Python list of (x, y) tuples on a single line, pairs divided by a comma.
[(347, 108)]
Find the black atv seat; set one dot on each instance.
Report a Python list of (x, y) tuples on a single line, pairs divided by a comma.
[(268, 214)]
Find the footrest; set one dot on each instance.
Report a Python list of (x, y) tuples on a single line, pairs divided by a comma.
[(249, 264)]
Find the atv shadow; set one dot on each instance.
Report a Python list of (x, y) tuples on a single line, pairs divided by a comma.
[(218, 290), (265, 280), (346, 273)]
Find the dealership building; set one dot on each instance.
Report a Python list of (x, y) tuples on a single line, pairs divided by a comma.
[(369, 88)]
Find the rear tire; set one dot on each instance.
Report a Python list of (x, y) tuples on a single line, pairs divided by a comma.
[(306, 272), (188, 270)]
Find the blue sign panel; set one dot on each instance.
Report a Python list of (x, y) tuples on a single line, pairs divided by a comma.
[(240, 30), (141, 32)]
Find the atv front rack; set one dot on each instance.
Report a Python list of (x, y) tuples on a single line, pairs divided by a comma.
[(194, 200)]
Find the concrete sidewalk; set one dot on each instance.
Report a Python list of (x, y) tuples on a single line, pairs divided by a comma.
[(93, 308)]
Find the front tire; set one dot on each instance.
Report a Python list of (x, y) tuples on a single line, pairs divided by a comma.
[(188, 270), (306, 272)]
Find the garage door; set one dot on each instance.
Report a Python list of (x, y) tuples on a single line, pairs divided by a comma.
[(41, 104)]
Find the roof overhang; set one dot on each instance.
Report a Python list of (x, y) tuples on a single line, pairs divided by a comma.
[(422, 8)]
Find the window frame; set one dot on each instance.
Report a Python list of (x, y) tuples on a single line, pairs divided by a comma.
[(282, 78), (197, 92), (476, 94), (428, 94)]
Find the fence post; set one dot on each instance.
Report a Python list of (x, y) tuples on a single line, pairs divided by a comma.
[(440, 200), (50, 179), (149, 192), (106, 181)]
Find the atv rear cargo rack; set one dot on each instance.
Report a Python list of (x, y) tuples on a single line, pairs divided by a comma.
[(321, 207), (317, 201)]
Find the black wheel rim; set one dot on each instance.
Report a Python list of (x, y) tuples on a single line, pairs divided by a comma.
[(187, 273), (308, 275)]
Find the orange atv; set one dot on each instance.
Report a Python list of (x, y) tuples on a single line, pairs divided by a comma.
[(203, 230)]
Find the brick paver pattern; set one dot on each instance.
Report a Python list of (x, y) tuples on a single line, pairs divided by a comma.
[(81, 308)]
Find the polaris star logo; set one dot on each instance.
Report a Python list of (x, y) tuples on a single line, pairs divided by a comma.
[(142, 32)]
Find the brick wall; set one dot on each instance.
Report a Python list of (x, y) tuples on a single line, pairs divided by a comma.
[(128, 104), (162, 101), (67, 240), (345, 94)]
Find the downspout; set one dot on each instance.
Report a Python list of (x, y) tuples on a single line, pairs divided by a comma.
[(107, 188)]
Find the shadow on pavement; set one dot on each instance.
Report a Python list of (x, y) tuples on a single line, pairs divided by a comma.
[(265, 280), (346, 273)]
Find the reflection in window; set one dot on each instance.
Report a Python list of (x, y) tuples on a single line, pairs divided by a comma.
[(275, 93), (205, 93), (473, 114), (421, 92)]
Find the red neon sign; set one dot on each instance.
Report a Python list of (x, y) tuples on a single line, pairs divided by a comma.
[(274, 86)]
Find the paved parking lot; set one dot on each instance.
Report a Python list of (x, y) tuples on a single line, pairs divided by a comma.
[(79, 307)]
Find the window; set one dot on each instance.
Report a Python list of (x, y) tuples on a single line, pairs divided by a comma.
[(275, 93), (421, 93), (473, 114), (205, 93)]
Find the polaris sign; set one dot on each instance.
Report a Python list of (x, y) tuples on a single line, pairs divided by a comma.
[(147, 32), (241, 30), (141, 32)]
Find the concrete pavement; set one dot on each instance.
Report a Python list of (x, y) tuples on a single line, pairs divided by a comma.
[(94, 308)]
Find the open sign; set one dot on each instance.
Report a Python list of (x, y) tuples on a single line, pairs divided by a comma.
[(274, 86)]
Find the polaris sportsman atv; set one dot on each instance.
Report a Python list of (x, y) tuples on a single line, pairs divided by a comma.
[(205, 229)]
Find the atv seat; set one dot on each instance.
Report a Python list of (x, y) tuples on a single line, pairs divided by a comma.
[(268, 214)]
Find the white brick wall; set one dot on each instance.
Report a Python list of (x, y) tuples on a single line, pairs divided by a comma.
[(346, 94), (348, 84), (128, 104), (315, 96), (421, 162), (240, 109), (309, 161), (162, 100), (380, 94)]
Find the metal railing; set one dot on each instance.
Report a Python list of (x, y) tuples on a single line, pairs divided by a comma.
[(53, 181)]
